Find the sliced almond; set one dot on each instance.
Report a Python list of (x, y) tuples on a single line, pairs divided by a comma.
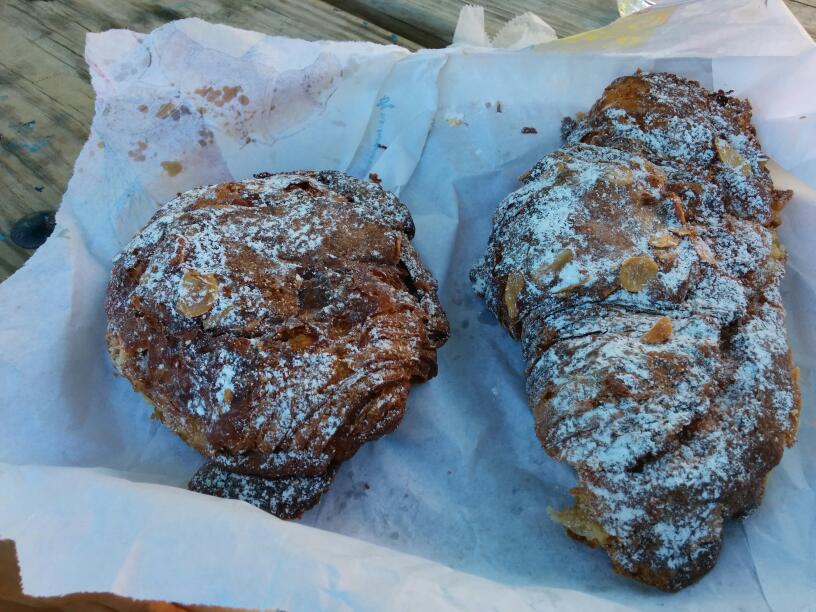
[(574, 286), (777, 248), (636, 272), (561, 259), (228, 395), (686, 230), (678, 208), (579, 520), (513, 286), (644, 198), (341, 370), (664, 241), (704, 251), (660, 332), (666, 257), (301, 341), (198, 293), (656, 171), (620, 175), (580, 524), (731, 157)]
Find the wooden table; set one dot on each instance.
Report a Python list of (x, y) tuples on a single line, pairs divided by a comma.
[(46, 101)]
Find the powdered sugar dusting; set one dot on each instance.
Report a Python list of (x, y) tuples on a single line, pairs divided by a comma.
[(276, 323), (661, 207), (286, 497)]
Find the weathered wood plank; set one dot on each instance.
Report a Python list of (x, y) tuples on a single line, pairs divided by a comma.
[(805, 11), (432, 22)]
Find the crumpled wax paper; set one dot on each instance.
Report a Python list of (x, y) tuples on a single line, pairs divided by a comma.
[(450, 510)]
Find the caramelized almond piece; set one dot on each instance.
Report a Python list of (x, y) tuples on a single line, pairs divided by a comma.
[(703, 250), (656, 171), (301, 341), (636, 272), (340, 371), (561, 259), (777, 248), (661, 331), (620, 175), (683, 231), (579, 521), (198, 293), (664, 241), (574, 286), (731, 157), (666, 257), (644, 198), (513, 286), (678, 209)]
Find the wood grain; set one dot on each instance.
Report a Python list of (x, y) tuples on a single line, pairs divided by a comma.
[(432, 22), (46, 102), (805, 12)]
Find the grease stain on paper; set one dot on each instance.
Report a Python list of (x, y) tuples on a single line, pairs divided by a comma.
[(221, 96), (168, 109), (172, 168), (137, 154)]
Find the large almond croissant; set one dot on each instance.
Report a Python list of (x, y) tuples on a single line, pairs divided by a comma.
[(640, 269)]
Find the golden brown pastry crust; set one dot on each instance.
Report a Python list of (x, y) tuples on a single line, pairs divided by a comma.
[(276, 324), (646, 297)]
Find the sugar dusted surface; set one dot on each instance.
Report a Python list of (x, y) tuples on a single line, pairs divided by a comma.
[(667, 439), (287, 497), (276, 323)]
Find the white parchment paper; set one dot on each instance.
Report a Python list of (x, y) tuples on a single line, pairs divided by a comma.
[(450, 510)]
